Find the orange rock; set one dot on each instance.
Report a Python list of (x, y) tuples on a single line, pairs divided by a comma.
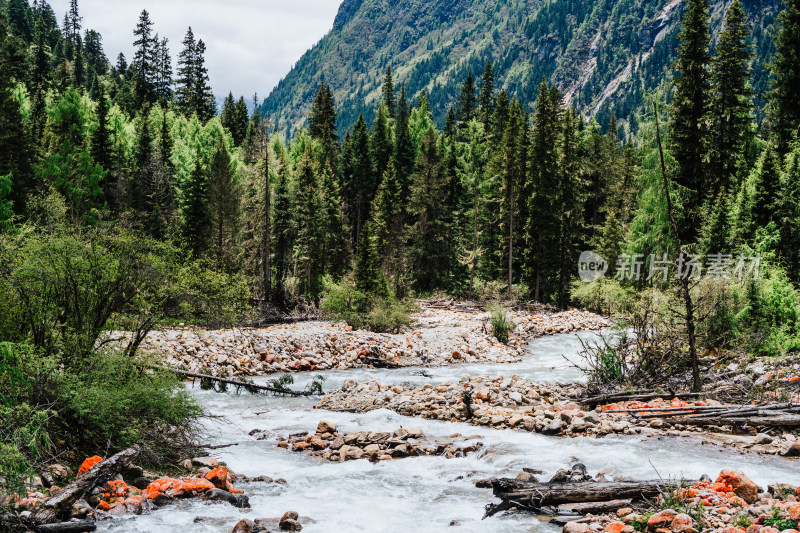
[(618, 527), (739, 484), (218, 476), (661, 519), (88, 464), (794, 512), (682, 523), (755, 528)]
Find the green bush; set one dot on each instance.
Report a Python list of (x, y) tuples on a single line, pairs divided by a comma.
[(603, 294), (502, 326), (343, 301), (205, 296)]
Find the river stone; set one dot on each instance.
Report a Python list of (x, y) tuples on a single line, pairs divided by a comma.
[(762, 438), (553, 427), (326, 427), (208, 462), (742, 486)]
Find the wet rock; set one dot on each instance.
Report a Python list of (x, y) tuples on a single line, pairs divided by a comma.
[(207, 462), (682, 523), (244, 526), (326, 427), (554, 427), (662, 519), (742, 485), (237, 500), (289, 522)]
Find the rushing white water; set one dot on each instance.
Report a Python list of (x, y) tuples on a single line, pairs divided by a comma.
[(422, 493)]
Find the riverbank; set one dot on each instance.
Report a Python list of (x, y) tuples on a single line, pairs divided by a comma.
[(551, 409), (436, 337)]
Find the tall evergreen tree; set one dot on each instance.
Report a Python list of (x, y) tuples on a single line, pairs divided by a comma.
[(322, 123), (145, 59), (388, 93), (689, 106), (387, 218), (358, 181), (785, 95), (223, 201), (101, 138), (197, 221), (381, 145), (466, 108), (368, 275), (284, 225), (334, 232), (307, 251), (403, 150), (731, 105), (487, 96)]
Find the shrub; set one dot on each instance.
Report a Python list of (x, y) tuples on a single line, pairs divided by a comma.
[(343, 301), (502, 326)]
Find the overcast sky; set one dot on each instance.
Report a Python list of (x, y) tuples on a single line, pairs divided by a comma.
[(250, 44)]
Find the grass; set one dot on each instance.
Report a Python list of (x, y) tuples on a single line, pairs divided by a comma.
[(502, 325)]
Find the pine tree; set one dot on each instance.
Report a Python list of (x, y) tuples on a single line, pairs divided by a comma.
[(788, 214), (163, 66), (689, 105), (358, 181), (322, 124), (333, 228), (466, 108), (223, 201), (785, 97), (204, 97), (20, 19), (368, 275), (429, 250), (403, 150), (307, 218), (388, 93), (381, 142), (283, 223), (387, 219), (542, 230), (197, 222), (486, 100), (145, 59), (186, 74), (101, 138), (730, 106), (764, 190)]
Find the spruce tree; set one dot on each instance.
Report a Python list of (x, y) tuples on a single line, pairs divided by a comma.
[(284, 226), (730, 106), (101, 138), (689, 106), (466, 108), (145, 58), (204, 97), (403, 150), (197, 221), (368, 275), (785, 96), (388, 93), (186, 74), (387, 219), (307, 251), (322, 123), (358, 181), (223, 201), (486, 99), (381, 142), (335, 239)]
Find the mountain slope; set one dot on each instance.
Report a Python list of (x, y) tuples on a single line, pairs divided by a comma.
[(603, 55)]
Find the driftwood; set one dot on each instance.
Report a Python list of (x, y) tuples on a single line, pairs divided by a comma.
[(639, 396), (533, 496), (379, 362), (73, 526), (99, 475), (593, 507), (237, 383), (778, 414)]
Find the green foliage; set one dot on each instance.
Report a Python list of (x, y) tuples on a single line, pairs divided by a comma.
[(502, 325), (775, 519), (202, 294), (344, 301)]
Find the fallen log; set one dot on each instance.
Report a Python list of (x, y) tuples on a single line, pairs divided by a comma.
[(777, 420), (638, 396), (592, 507), (98, 475), (73, 526), (236, 383), (379, 362), (538, 495)]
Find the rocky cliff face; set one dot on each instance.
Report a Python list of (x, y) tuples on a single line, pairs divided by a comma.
[(603, 55)]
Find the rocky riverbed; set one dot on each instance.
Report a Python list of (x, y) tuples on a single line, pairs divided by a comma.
[(549, 409), (731, 504), (437, 337), (329, 444)]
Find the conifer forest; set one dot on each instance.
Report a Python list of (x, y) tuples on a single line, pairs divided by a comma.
[(576, 220)]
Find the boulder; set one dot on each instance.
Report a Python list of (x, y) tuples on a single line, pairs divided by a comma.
[(208, 462), (661, 519), (325, 427), (742, 485), (576, 527), (244, 526), (682, 523)]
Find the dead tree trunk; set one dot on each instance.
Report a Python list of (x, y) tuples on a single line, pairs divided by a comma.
[(99, 475)]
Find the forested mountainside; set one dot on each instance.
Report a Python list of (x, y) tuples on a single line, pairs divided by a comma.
[(603, 56)]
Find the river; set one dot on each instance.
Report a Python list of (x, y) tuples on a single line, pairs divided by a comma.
[(425, 494)]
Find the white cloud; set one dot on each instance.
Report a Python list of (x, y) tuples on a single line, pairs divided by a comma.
[(250, 45)]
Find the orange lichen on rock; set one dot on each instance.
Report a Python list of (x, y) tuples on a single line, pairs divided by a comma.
[(88, 464), (218, 476)]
